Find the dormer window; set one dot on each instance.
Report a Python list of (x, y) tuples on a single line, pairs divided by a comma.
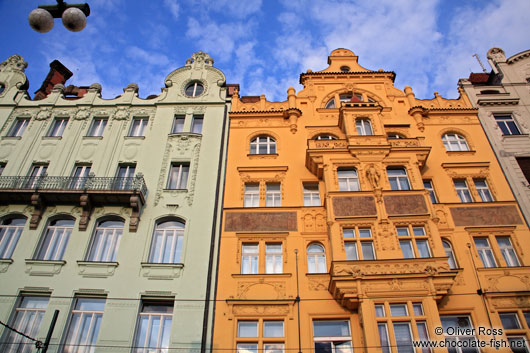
[(345, 68), (325, 137)]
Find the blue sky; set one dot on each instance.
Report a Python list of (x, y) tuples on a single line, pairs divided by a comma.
[(265, 44)]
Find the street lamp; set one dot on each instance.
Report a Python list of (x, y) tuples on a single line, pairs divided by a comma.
[(73, 15)]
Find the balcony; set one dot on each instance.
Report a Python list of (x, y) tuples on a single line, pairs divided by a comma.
[(86, 192), (351, 281)]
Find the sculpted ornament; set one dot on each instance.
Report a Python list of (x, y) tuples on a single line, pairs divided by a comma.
[(122, 113), (44, 114), (13, 63), (497, 54), (373, 176), (82, 114)]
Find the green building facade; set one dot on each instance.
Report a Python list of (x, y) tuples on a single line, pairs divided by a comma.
[(109, 212)]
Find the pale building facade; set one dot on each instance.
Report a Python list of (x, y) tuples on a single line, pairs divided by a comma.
[(108, 212), (502, 98)]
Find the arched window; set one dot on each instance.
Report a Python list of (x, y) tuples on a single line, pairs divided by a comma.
[(331, 104), (364, 127), (10, 231), (106, 241), (454, 142), (394, 135), (325, 137), (316, 259), (263, 144), (55, 239), (450, 254), (167, 242)]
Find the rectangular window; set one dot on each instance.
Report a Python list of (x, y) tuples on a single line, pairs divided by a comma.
[(348, 180), (332, 336), (273, 195), (196, 125), (507, 124), (485, 252), (154, 327), (97, 127), (138, 127), (524, 164), (58, 126), (427, 184), (397, 177), (124, 176), (311, 194), (462, 325), (251, 195), (273, 258), (80, 177), (415, 245), (273, 329), (178, 176), (253, 337), (508, 252), (358, 241), (364, 128), (249, 258), (85, 322), (483, 190), (28, 318), (462, 190), (18, 127), (36, 174), (178, 124)]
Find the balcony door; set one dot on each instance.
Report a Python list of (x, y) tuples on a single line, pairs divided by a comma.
[(125, 176), (35, 175), (80, 176)]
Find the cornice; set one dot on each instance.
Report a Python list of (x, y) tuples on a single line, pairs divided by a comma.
[(392, 74)]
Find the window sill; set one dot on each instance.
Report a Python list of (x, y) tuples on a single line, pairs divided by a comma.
[(97, 269), (44, 267), (461, 152), (11, 137), (4, 264), (134, 137), (92, 137), (161, 271), (175, 190), (263, 156), (261, 275), (514, 135), (52, 137)]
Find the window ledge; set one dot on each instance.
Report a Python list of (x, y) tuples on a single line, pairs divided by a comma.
[(4, 264), (11, 137), (97, 269), (514, 135), (161, 271), (261, 275), (263, 156), (92, 137), (463, 152), (52, 137), (175, 190), (44, 267), (134, 137)]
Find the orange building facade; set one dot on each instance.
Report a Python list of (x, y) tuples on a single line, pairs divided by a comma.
[(359, 218)]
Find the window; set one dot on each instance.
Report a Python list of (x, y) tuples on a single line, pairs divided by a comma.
[(138, 127), (483, 190), (330, 104), (358, 244), (196, 125), (55, 239), (28, 318), (273, 258), (462, 190), (80, 176), (316, 259), (97, 127), (58, 126), (485, 252), (325, 137), (454, 142), (249, 258), (106, 241), (263, 145), (508, 252), (348, 179), (178, 124), (344, 69), (399, 319), (154, 327), (37, 172), (18, 127), (397, 177), (450, 254), (364, 127), (311, 194), (394, 136), (2, 167), (178, 176), (427, 184), (167, 242), (124, 176), (194, 89), (85, 323), (273, 195), (415, 245), (459, 324), (270, 340), (10, 230), (524, 164), (332, 336), (507, 124), (251, 195), (516, 328)]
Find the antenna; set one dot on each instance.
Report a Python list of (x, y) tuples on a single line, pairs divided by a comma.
[(480, 63)]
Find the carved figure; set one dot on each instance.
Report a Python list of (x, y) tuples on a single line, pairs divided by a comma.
[(373, 176)]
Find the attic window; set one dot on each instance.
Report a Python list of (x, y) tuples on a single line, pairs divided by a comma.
[(490, 91), (194, 89), (345, 68)]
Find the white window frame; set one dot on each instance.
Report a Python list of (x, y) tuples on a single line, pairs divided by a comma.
[(508, 252), (195, 92), (178, 176), (483, 190), (163, 319), (105, 241), (54, 249), (58, 127), (178, 124), (78, 341), (364, 127), (273, 258), (451, 259), (463, 191), (273, 195), (358, 240), (507, 124), (98, 127), (18, 127), (138, 126), (454, 142), (399, 176), (311, 192), (461, 337), (485, 253), (9, 235), (80, 175), (427, 184), (263, 141), (164, 236), (334, 340), (348, 179), (412, 240), (251, 197), (197, 124), (316, 260), (325, 137), (249, 258)]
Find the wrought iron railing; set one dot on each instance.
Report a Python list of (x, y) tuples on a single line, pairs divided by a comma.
[(90, 183)]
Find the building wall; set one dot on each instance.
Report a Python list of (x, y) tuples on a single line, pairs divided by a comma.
[(506, 93), (346, 292), (134, 277)]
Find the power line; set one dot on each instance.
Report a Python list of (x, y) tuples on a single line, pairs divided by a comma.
[(38, 343)]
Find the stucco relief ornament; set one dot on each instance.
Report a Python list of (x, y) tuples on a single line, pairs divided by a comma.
[(122, 113), (82, 114), (13, 63), (373, 176), (497, 54), (44, 114), (199, 59)]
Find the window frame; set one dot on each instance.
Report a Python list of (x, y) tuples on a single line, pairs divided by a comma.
[(273, 196), (62, 232), (163, 317), (93, 329), (269, 144), (449, 252), (157, 253), (178, 175), (332, 340), (354, 240), (454, 142), (97, 131), (178, 123), (138, 126), (428, 185), (463, 192), (460, 337), (57, 127), (18, 127), (258, 256), (413, 239), (251, 195), (259, 341), (10, 234), (346, 182), (311, 194), (197, 124), (99, 241), (314, 259), (195, 84), (364, 127), (398, 179), (507, 124), (483, 190)]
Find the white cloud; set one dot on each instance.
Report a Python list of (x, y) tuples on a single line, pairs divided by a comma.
[(236, 9), (173, 7), (147, 57)]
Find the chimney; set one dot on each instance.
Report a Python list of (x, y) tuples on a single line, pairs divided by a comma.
[(58, 74)]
